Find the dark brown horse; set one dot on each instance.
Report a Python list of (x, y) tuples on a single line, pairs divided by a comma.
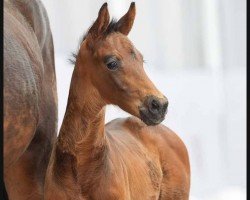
[(127, 159), (30, 98)]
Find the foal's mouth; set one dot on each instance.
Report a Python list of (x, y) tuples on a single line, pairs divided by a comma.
[(153, 110), (150, 121)]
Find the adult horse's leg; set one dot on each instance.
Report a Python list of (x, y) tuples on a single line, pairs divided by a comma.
[(21, 181), (20, 116), (25, 179), (30, 99)]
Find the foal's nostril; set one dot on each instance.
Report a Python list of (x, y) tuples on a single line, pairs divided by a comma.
[(155, 105)]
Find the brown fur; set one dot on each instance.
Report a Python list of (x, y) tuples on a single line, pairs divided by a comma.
[(30, 98), (124, 159)]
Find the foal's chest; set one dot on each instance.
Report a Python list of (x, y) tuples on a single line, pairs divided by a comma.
[(136, 180)]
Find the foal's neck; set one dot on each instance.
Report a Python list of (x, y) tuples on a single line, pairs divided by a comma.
[(82, 130), (81, 147)]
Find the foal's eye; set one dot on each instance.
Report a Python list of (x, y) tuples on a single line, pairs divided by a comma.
[(112, 62), (113, 65)]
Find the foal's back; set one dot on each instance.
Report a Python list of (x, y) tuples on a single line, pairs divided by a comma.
[(151, 162)]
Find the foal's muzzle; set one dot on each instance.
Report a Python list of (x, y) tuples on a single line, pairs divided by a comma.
[(153, 110)]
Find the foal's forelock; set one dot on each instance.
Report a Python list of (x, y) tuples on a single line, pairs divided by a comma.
[(112, 28)]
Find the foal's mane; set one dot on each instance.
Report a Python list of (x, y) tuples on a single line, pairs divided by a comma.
[(112, 27)]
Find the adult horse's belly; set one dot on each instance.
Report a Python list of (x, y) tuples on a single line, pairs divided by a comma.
[(22, 81)]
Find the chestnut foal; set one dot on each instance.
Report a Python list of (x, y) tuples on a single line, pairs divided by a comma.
[(127, 158)]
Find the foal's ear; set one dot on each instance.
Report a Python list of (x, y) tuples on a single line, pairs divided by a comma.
[(125, 24), (101, 23)]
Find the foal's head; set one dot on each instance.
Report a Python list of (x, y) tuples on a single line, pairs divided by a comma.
[(115, 68)]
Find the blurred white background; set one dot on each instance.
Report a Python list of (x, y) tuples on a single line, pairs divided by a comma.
[(195, 52)]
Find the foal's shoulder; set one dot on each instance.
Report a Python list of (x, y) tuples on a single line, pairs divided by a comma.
[(160, 136), (126, 123), (135, 125), (171, 146)]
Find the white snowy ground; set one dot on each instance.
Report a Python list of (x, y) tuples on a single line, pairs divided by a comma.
[(207, 115)]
